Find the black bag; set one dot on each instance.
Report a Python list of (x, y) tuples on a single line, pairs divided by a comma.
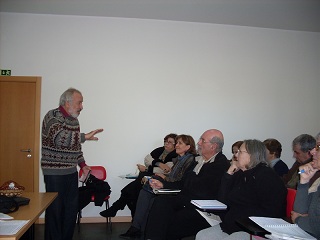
[(8, 204), (99, 188)]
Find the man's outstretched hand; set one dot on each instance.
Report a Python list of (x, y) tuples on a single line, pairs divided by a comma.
[(91, 135)]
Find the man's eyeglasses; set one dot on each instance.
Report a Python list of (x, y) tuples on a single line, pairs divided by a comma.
[(317, 147), (204, 141), (168, 142)]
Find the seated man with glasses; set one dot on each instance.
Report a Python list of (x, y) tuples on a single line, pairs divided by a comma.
[(158, 161)]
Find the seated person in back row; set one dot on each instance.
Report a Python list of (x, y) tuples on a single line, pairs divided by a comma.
[(234, 149), (306, 211), (249, 188), (274, 150), (158, 161), (301, 147)]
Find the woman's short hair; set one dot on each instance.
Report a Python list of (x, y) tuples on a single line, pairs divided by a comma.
[(67, 96), (236, 144), (274, 146), (170, 135), (188, 140), (257, 151)]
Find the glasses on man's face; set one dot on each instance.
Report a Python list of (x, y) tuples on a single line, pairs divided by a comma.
[(317, 147), (169, 143)]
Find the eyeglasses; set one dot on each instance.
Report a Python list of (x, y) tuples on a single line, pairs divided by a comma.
[(168, 142), (317, 147), (204, 141), (240, 152)]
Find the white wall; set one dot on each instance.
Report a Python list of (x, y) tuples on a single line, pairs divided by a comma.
[(142, 79)]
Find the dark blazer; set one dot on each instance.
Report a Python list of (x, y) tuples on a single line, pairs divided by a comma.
[(156, 153), (206, 184)]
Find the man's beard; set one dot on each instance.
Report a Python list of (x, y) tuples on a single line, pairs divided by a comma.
[(74, 113)]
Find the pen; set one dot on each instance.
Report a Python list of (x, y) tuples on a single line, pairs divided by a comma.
[(301, 171)]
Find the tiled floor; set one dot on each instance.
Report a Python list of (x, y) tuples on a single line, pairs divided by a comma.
[(93, 231)]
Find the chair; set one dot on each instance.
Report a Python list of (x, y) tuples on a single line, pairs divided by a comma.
[(100, 173), (291, 195)]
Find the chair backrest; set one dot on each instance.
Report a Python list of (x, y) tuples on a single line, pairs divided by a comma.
[(98, 171), (291, 195)]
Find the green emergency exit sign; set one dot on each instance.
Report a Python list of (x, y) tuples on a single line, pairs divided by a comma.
[(5, 72)]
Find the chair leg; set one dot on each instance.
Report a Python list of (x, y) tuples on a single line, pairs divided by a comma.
[(109, 222)]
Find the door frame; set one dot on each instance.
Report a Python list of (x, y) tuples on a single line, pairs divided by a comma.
[(36, 154)]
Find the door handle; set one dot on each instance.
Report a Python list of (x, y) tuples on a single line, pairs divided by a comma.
[(26, 150)]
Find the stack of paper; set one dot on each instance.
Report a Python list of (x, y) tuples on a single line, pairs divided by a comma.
[(280, 229), (209, 204), (11, 227), (5, 216)]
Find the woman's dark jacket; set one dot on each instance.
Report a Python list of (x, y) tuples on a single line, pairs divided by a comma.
[(156, 153), (256, 192)]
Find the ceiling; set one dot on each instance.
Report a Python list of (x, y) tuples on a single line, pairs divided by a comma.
[(300, 15)]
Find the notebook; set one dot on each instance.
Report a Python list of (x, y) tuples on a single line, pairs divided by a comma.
[(209, 204), (281, 229)]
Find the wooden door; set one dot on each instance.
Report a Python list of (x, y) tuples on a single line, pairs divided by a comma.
[(20, 130)]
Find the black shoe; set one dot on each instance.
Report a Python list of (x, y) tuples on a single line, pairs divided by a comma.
[(132, 233), (110, 212)]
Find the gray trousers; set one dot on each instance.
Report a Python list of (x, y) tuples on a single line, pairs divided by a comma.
[(144, 204), (216, 233)]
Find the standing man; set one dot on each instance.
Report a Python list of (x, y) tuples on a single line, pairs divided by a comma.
[(301, 147), (174, 217), (61, 154)]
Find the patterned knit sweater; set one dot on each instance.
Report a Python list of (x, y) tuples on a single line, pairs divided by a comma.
[(61, 143)]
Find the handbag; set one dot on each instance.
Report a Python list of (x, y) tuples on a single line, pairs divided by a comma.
[(8, 204)]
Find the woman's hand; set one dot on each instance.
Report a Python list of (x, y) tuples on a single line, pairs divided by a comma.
[(233, 168), (155, 184), (165, 167), (142, 168), (306, 172), (90, 135), (295, 215)]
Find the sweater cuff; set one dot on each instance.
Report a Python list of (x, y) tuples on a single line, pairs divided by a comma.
[(83, 137), (82, 164)]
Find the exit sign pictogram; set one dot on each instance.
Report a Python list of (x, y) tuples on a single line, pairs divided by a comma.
[(5, 72)]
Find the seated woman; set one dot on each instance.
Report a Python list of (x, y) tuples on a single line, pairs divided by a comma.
[(186, 150), (274, 150), (158, 161), (249, 188), (234, 149), (307, 202)]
